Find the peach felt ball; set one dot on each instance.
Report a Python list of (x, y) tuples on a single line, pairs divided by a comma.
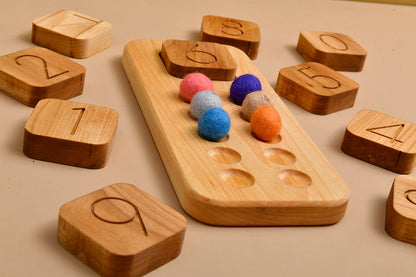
[(265, 123), (194, 83), (255, 100)]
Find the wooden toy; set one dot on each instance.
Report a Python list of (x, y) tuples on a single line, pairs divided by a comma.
[(218, 64), (401, 209), (36, 73), (244, 35), (397, 2), (337, 51), (316, 88), (382, 140), (121, 231), (70, 133), (71, 33), (238, 181)]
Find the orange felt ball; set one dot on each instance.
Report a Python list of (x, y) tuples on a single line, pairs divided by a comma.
[(266, 123)]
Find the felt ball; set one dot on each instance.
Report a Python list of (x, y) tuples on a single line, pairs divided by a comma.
[(214, 124), (266, 123), (203, 101), (194, 83), (242, 86), (255, 100)]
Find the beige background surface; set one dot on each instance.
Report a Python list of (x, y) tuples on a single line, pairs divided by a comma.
[(31, 191)]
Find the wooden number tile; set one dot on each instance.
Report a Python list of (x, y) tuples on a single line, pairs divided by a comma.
[(121, 231), (36, 73), (70, 133), (382, 140), (235, 32), (182, 57), (338, 51), (72, 33), (316, 88), (401, 209)]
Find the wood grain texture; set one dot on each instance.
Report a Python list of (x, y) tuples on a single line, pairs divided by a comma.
[(36, 73), (121, 231), (215, 58), (71, 33), (70, 133), (240, 181), (242, 34), (401, 209), (316, 88), (337, 51), (382, 140), (400, 2)]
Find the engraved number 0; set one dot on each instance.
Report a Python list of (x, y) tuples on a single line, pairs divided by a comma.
[(45, 65), (333, 42)]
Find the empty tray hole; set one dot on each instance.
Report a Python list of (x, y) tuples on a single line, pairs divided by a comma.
[(295, 178), (237, 178), (224, 155), (280, 156)]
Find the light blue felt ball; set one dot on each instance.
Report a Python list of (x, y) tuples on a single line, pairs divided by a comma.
[(203, 101), (214, 124), (242, 86)]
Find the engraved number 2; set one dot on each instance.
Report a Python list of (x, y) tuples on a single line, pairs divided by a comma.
[(45, 65)]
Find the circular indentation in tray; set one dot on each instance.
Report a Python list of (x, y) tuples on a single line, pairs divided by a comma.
[(277, 139), (295, 178), (280, 156), (411, 196), (114, 210), (237, 178), (224, 155)]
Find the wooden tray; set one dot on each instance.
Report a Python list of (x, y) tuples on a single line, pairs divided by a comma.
[(240, 181)]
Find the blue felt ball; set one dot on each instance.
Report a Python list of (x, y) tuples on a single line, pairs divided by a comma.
[(203, 101), (214, 124), (242, 86)]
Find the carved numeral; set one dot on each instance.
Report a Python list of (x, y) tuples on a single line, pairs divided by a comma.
[(45, 65), (232, 28), (81, 26), (333, 42), (399, 127), (108, 213), (326, 81), (81, 113), (200, 56)]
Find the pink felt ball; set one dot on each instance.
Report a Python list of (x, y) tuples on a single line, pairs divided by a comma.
[(194, 83)]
